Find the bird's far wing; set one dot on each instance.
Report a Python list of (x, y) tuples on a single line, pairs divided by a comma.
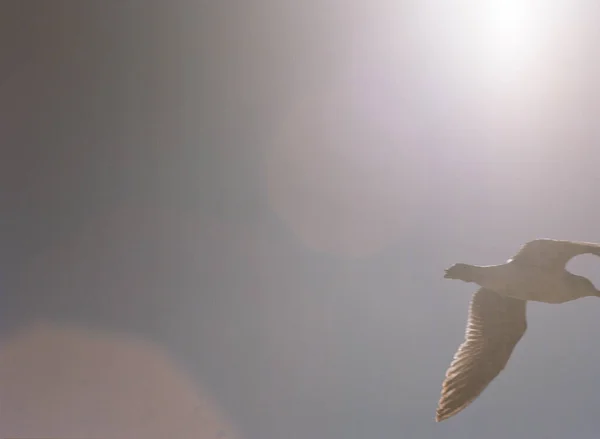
[(552, 254), (495, 326)]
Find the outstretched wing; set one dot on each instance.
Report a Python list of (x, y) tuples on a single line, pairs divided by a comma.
[(552, 254), (495, 326)]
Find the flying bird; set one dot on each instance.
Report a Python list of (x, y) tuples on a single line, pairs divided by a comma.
[(497, 317)]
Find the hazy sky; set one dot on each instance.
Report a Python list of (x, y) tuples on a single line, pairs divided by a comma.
[(270, 192)]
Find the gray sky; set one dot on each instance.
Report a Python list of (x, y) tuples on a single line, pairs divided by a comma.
[(271, 191)]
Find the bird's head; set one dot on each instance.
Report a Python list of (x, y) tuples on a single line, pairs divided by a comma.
[(460, 271)]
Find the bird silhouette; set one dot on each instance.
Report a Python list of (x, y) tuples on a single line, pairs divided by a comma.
[(497, 312)]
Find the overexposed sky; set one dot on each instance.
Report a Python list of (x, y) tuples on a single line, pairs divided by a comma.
[(267, 194)]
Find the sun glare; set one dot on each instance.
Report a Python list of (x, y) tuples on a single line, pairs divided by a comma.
[(510, 38), (499, 42)]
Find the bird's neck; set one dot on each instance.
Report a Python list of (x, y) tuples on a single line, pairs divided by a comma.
[(479, 274)]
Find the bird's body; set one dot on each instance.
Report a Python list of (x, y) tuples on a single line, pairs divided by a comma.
[(529, 282), (497, 318)]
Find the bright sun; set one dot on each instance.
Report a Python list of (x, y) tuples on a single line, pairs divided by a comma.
[(504, 41), (511, 34)]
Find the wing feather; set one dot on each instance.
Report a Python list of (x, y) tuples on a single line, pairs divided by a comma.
[(495, 326), (552, 254)]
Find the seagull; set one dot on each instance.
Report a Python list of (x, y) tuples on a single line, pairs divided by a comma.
[(497, 318)]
